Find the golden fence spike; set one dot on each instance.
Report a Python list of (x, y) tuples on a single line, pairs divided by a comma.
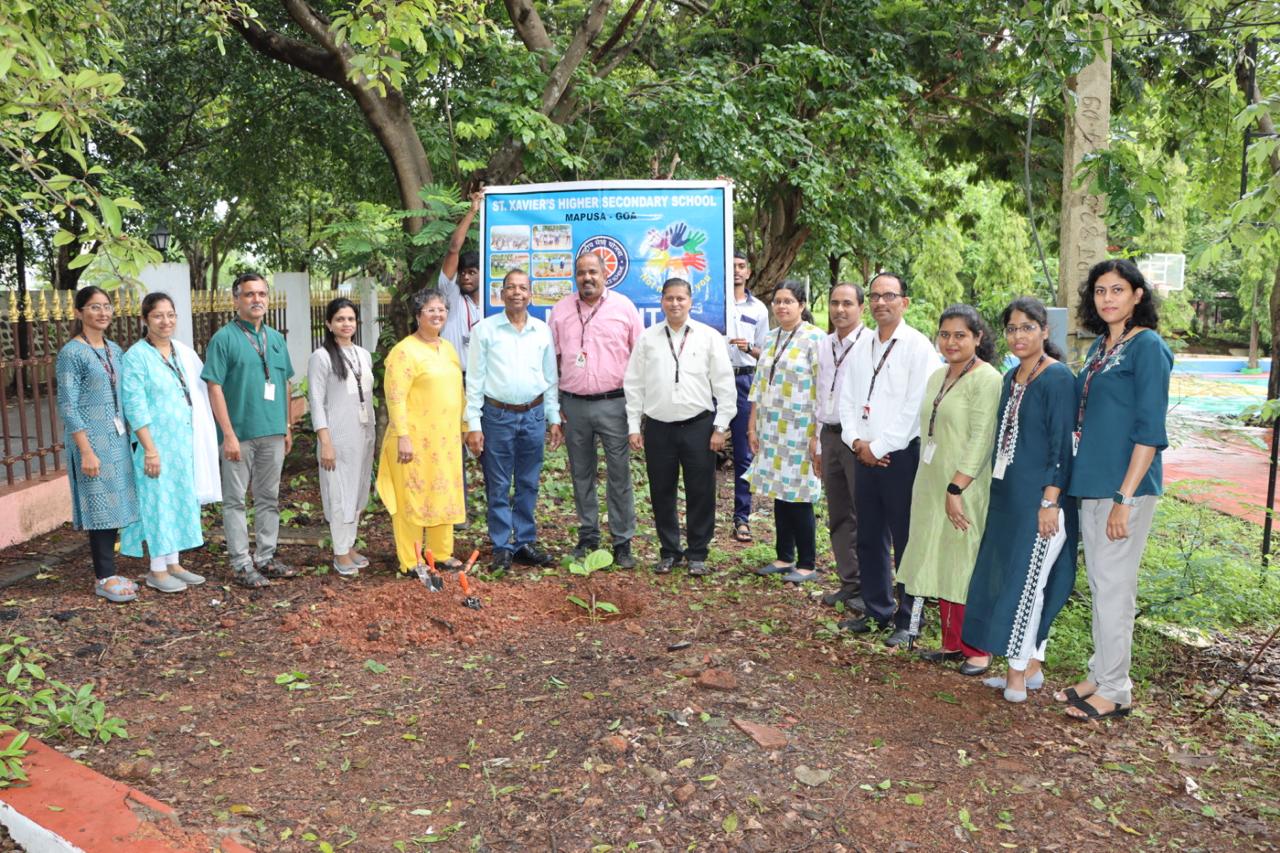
[(13, 307), (41, 315)]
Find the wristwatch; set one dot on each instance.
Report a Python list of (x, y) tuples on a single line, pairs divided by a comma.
[(953, 489), (1044, 504), (719, 430), (1120, 499)]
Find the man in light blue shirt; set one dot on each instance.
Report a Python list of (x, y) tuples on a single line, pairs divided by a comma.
[(511, 397)]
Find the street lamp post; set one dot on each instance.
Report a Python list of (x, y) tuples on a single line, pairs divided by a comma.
[(159, 238)]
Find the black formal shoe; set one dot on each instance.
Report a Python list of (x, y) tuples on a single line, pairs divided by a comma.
[(583, 549), (939, 656), (897, 637), (967, 668), (622, 556), (502, 560), (844, 594), (698, 569), (664, 566), (532, 555), (859, 624)]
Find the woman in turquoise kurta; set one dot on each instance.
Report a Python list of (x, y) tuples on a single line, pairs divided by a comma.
[(953, 483), (103, 498), (159, 403), (784, 401)]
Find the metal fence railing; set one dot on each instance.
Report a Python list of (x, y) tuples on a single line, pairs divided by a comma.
[(320, 300)]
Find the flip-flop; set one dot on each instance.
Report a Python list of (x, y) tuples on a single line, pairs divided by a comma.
[(742, 532), (1093, 715), (116, 589)]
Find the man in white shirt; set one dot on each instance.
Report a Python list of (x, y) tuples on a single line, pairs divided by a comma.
[(832, 458), (880, 422), (460, 284), (747, 332), (678, 372)]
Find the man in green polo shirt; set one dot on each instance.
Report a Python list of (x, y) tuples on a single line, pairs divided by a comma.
[(247, 368)]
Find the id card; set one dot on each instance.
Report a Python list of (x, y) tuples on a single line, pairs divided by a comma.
[(1075, 442), (997, 473), (927, 456), (364, 415), (866, 412), (269, 391), (119, 425), (581, 360)]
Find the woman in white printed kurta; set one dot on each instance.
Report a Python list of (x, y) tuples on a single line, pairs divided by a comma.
[(783, 397), (340, 384)]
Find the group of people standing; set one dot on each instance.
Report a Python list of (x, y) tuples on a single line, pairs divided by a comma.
[(943, 480)]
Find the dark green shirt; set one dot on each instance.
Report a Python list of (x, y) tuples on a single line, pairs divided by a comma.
[(234, 360)]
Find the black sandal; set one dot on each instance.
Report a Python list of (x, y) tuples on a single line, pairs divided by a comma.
[(742, 532), (250, 578), (1071, 697), (1093, 715)]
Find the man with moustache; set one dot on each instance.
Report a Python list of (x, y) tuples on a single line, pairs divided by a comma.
[(247, 369), (833, 459), (595, 331), (879, 408), (511, 397)]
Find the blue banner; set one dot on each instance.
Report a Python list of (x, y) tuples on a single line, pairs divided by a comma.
[(645, 232)]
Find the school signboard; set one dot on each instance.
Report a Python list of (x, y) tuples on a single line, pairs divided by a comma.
[(645, 232)]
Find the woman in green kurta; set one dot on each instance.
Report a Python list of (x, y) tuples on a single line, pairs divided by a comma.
[(953, 483)]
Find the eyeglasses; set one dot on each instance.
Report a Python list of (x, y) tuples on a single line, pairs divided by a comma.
[(99, 307), (882, 297), (1025, 328)]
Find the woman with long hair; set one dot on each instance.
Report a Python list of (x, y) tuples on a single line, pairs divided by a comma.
[(1026, 566), (784, 417), (99, 466), (1118, 434), (340, 386), (953, 483), (163, 403), (420, 469)]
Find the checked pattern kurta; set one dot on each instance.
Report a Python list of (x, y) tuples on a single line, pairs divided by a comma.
[(785, 395)]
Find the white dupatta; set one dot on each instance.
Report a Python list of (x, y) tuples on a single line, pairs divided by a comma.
[(204, 436)]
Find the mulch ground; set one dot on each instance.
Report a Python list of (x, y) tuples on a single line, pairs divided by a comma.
[(370, 714)]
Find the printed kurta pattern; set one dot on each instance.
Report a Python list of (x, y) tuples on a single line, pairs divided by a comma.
[(335, 405), (785, 396), (424, 401), (938, 560), (170, 511)]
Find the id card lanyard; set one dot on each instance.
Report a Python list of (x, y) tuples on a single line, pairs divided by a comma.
[(1007, 439), (581, 360), (355, 377), (175, 369), (1094, 368), (269, 389), (837, 358), (676, 355), (931, 446), (875, 374), (109, 366)]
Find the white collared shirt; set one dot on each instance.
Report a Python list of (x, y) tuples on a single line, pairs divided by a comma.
[(706, 379), (892, 408), (830, 377), (747, 319)]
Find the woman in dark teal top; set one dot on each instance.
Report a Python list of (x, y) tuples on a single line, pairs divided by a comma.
[(1122, 395)]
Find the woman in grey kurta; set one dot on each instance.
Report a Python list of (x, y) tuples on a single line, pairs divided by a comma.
[(160, 403), (340, 383), (99, 468), (953, 483)]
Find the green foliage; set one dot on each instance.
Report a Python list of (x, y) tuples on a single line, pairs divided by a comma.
[(935, 274), (594, 562), (44, 706), (372, 238)]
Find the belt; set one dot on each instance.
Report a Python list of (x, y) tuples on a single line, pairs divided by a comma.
[(687, 421), (511, 407), (743, 371), (607, 395), (833, 427)]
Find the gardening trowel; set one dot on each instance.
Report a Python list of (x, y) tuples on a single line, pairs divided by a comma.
[(427, 573)]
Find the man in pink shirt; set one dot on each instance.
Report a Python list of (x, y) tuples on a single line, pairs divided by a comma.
[(594, 331)]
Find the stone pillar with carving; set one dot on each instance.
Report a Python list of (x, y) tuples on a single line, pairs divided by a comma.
[(1083, 239)]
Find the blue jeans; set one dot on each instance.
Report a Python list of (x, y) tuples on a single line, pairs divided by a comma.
[(741, 451), (513, 445)]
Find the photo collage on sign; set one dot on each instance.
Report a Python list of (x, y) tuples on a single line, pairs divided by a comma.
[(545, 252)]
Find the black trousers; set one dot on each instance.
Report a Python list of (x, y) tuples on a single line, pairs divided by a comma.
[(102, 548), (669, 450), (794, 533), (882, 497)]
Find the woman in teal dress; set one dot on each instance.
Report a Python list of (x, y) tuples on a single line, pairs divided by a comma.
[(1027, 563), (1119, 433), (783, 418), (159, 402), (953, 483), (103, 498)]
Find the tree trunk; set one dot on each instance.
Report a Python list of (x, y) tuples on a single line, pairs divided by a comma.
[(782, 238), (1273, 383), (1253, 325), (197, 263)]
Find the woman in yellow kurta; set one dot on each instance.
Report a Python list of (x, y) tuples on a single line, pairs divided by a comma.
[(420, 471)]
